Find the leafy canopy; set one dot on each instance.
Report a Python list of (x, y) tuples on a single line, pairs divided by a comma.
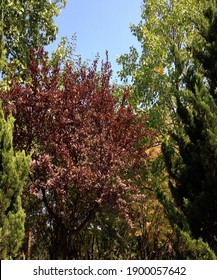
[(88, 150), (25, 24)]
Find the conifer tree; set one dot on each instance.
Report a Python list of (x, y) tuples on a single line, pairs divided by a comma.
[(191, 153), (174, 80), (13, 172)]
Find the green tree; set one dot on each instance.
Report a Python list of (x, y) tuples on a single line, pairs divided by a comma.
[(13, 173), (166, 32), (26, 24), (191, 152), (164, 84)]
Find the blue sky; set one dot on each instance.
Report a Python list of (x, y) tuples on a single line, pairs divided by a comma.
[(100, 25)]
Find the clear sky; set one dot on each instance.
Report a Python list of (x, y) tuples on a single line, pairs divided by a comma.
[(100, 25)]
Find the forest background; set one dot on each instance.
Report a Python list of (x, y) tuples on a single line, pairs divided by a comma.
[(96, 169)]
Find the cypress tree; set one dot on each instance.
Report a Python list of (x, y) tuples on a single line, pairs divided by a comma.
[(13, 173), (191, 152)]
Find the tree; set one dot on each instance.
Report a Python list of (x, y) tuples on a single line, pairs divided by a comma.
[(88, 151), (193, 171), (166, 32), (163, 78), (25, 24), (14, 169)]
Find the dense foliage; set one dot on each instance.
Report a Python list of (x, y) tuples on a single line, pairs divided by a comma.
[(14, 169), (25, 24), (117, 172), (88, 150), (194, 171), (175, 82)]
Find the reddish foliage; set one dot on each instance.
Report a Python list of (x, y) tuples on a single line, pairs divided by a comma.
[(85, 146)]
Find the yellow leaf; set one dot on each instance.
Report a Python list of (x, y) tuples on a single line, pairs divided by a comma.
[(159, 70), (138, 232)]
